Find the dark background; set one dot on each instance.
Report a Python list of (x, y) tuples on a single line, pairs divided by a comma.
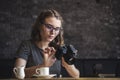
[(92, 26)]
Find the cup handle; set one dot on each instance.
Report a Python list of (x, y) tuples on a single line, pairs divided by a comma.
[(38, 71), (15, 71)]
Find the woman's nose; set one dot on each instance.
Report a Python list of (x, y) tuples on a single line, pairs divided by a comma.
[(52, 31)]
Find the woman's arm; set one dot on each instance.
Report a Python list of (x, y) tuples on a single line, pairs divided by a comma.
[(71, 69), (31, 70), (28, 71), (49, 60)]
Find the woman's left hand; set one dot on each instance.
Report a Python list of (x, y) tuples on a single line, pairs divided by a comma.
[(71, 69), (65, 64)]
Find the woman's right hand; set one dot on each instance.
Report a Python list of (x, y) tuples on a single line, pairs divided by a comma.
[(49, 56)]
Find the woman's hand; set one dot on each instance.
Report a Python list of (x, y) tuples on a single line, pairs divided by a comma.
[(49, 58), (64, 64), (71, 69)]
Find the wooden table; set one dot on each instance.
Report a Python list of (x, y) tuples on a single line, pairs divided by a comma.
[(89, 78)]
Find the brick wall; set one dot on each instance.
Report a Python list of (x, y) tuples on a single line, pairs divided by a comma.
[(92, 26)]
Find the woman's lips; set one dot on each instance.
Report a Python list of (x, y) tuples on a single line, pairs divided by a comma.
[(51, 37)]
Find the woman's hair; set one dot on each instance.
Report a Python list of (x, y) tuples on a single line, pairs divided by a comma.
[(36, 28)]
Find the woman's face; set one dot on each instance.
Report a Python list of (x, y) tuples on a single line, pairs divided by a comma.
[(50, 29)]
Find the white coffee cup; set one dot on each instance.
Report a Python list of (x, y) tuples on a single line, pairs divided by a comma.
[(19, 72), (42, 71)]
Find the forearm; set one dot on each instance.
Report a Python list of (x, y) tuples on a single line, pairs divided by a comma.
[(31, 70), (72, 71)]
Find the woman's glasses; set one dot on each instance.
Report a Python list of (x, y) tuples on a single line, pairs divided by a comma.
[(51, 27)]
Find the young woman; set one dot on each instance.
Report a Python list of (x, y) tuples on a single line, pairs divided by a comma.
[(38, 52)]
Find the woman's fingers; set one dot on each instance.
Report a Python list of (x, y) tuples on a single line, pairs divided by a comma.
[(50, 51), (47, 50), (49, 57)]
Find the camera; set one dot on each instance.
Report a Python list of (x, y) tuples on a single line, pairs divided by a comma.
[(68, 52)]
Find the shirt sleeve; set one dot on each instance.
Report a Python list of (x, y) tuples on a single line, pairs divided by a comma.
[(23, 50)]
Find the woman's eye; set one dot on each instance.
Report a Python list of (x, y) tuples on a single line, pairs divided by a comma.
[(49, 26), (57, 29)]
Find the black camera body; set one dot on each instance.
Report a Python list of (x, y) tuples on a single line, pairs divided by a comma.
[(68, 52)]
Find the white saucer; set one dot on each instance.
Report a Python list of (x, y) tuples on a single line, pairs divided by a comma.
[(44, 76)]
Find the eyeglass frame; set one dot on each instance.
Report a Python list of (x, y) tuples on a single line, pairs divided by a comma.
[(51, 27)]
